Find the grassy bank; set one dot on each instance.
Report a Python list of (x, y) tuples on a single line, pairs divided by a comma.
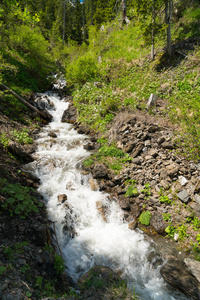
[(119, 60)]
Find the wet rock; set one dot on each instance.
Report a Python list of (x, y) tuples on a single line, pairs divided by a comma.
[(82, 130), (183, 196), (89, 146), (193, 266), (102, 209), (62, 198), (177, 274), (132, 225), (93, 184), (69, 115), (100, 171), (124, 204), (52, 134)]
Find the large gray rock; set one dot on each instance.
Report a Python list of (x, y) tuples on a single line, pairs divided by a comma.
[(177, 274), (193, 266), (100, 171), (158, 223), (183, 196), (69, 115)]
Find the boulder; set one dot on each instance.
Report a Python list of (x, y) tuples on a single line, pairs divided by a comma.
[(69, 115), (176, 273), (100, 171), (183, 196), (100, 283), (62, 198), (158, 223), (137, 151)]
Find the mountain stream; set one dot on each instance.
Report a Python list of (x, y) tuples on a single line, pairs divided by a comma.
[(84, 237)]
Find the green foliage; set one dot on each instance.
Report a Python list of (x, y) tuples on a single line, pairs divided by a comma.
[(88, 162), (170, 230), (131, 191), (146, 191), (165, 199), (22, 137), (11, 252), (4, 140), (84, 68), (19, 200), (145, 218), (111, 151), (59, 265), (196, 223), (2, 270), (167, 217), (182, 232)]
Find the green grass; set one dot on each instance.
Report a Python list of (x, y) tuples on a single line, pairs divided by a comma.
[(128, 77)]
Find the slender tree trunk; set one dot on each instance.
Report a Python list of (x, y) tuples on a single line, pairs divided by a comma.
[(124, 7), (152, 33), (168, 19), (43, 115), (64, 16)]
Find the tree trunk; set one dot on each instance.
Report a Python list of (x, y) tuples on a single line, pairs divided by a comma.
[(124, 12), (152, 34), (168, 19), (43, 115)]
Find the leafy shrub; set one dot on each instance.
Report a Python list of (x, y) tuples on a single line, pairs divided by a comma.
[(131, 191), (110, 151), (19, 200), (84, 69), (59, 264), (22, 137), (145, 218)]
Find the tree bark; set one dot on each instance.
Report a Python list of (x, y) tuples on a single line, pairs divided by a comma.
[(43, 115), (168, 19)]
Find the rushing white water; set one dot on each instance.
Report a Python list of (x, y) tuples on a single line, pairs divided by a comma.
[(90, 240)]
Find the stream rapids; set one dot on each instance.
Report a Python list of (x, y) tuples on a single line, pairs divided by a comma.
[(84, 237)]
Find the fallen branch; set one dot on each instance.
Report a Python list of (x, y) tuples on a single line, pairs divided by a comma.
[(47, 117)]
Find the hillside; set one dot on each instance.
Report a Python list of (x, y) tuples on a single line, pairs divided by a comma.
[(110, 77)]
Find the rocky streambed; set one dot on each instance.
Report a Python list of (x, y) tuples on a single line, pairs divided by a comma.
[(163, 183), (28, 260)]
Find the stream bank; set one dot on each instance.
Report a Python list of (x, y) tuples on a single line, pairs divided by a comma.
[(44, 236)]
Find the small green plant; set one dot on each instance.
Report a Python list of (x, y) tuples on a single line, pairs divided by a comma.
[(170, 230), (12, 251), (165, 199), (59, 264), (146, 191), (198, 238), (22, 137), (4, 140), (2, 270), (145, 218), (88, 162), (131, 191), (94, 281), (111, 151), (167, 217), (182, 232), (19, 200), (196, 223)]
